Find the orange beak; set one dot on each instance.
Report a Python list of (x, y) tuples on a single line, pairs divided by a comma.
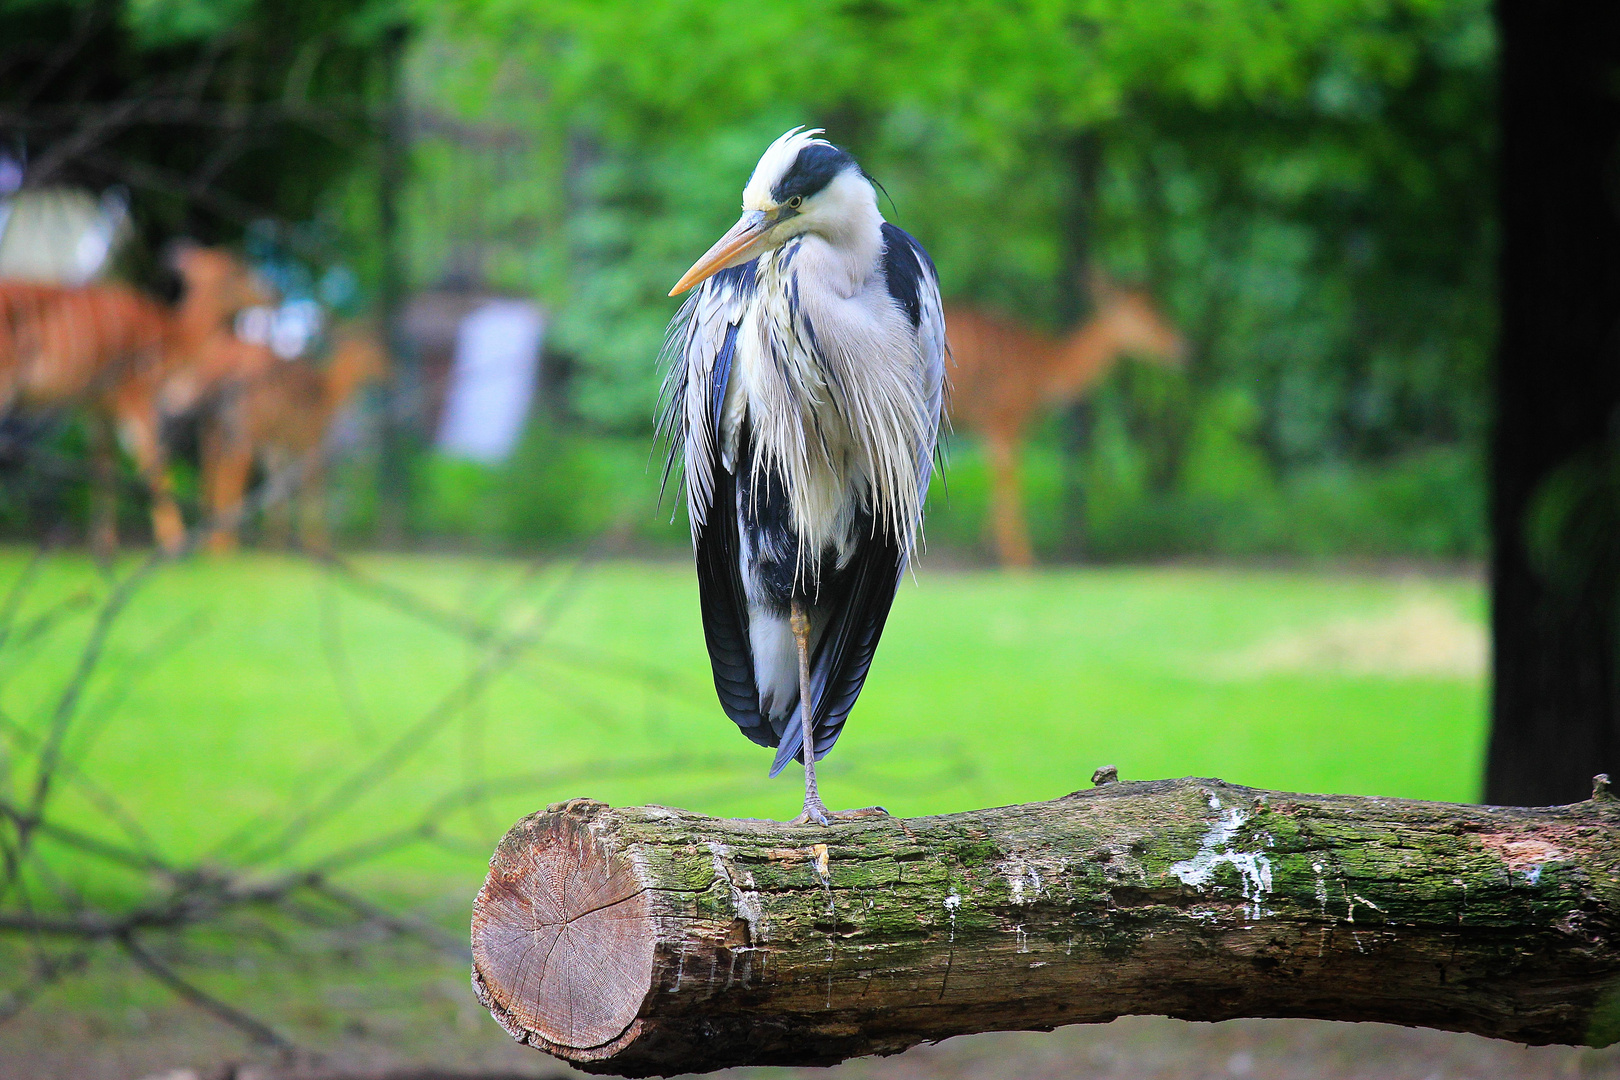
[(741, 243)]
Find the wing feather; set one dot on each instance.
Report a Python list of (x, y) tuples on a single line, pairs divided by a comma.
[(725, 613), (914, 284), (700, 347)]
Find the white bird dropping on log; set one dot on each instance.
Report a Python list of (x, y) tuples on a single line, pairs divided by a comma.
[(806, 376)]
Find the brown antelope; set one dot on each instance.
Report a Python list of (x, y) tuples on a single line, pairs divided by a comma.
[(21, 303), (1005, 374), (132, 361), (281, 420)]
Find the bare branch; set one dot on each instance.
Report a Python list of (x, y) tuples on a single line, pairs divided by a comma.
[(47, 971), (401, 925), (339, 123), (337, 661), (19, 590), (93, 130), (480, 632), (500, 655), (51, 751), (256, 1030), (98, 796)]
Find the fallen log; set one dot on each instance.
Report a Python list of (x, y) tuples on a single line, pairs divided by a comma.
[(651, 941)]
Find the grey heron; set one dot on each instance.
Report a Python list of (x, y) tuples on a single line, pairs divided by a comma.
[(803, 396)]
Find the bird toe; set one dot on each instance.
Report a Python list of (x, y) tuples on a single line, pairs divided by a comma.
[(863, 812), (813, 813)]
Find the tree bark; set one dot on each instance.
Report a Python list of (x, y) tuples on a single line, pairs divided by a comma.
[(1556, 694), (651, 941)]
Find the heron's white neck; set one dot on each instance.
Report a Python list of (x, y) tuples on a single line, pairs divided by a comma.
[(845, 215)]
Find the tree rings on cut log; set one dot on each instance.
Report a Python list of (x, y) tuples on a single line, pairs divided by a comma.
[(562, 937)]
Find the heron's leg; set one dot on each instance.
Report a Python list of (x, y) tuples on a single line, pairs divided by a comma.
[(814, 811)]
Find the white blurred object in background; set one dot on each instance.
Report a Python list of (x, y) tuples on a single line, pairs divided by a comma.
[(492, 376), (289, 330), (297, 325), (63, 236)]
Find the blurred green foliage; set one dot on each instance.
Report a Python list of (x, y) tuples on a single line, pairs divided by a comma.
[(559, 484), (1305, 185), (1427, 505)]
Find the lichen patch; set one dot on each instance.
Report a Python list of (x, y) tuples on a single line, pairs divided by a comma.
[(745, 899), (1253, 867), (1522, 854)]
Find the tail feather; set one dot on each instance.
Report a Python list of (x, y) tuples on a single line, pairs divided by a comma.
[(793, 742), (788, 749)]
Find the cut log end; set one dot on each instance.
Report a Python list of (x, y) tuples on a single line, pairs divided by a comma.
[(562, 938)]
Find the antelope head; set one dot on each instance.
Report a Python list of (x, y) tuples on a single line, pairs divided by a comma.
[(1131, 324), (204, 351), (218, 285)]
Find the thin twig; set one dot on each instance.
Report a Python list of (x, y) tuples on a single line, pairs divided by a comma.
[(98, 713), (401, 750), (571, 653), (89, 657), (401, 925), (499, 656), (133, 858), (46, 620), (255, 1029), (99, 797), (337, 661), (47, 971), (194, 895), (50, 752), (19, 590)]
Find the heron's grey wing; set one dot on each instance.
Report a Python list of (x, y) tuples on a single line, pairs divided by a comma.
[(724, 605), (858, 597), (701, 345), (934, 351), (698, 347), (914, 284)]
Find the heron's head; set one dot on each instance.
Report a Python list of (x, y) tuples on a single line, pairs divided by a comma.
[(802, 184)]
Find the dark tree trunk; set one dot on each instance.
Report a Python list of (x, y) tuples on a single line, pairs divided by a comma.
[(1555, 705), (404, 421), (1076, 304)]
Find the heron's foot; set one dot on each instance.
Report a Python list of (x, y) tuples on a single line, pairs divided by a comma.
[(816, 813)]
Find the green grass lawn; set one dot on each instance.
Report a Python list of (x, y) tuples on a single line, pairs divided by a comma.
[(261, 713), (237, 695)]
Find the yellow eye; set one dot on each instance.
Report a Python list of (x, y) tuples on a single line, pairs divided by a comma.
[(795, 202)]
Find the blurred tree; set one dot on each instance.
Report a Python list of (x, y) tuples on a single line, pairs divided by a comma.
[(1556, 469), (216, 113)]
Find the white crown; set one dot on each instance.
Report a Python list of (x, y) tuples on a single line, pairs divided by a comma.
[(776, 161)]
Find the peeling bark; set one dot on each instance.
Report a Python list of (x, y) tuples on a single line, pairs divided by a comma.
[(650, 941)]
